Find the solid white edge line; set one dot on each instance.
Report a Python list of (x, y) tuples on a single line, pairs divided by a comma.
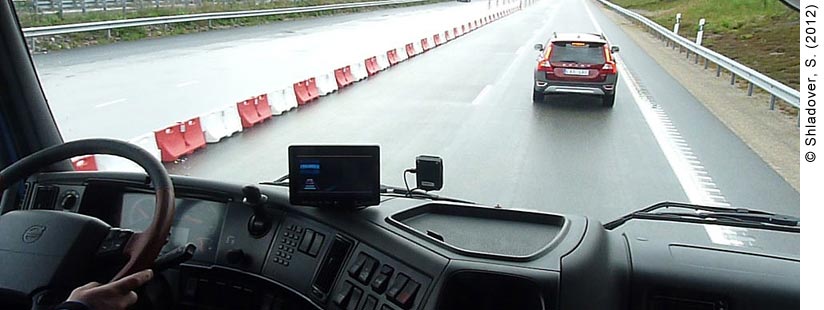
[(665, 132)]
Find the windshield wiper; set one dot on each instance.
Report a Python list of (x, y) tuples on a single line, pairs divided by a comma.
[(417, 193), (281, 181), (713, 215), (386, 190)]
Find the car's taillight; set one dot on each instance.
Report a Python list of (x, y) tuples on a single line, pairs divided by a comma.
[(545, 66), (609, 68)]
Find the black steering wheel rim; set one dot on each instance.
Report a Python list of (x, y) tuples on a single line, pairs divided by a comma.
[(143, 248)]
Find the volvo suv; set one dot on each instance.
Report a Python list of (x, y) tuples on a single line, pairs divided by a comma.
[(576, 63)]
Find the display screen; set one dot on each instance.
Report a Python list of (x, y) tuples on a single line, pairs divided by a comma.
[(346, 176), (196, 221)]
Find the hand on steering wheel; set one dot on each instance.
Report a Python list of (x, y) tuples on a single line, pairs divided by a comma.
[(116, 295)]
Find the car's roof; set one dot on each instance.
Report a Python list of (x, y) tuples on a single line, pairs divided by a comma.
[(579, 37)]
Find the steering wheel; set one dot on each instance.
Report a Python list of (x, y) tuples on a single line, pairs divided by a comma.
[(46, 253)]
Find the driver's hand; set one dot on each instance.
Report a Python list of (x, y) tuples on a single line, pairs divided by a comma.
[(116, 295)]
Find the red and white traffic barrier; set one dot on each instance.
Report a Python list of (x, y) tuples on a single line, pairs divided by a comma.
[(359, 71), (84, 163), (326, 83), (282, 100), (401, 53), (221, 124), (383, 61), (410, 49), (305, 91)]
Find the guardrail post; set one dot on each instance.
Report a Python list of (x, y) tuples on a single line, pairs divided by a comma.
[(696, 59), (688, 54), (700, 37), (105, 5), (677, 23), (772, 103), (83, 6), (33, 45), (717, 71), (706, 63), (749, 89), (732, 78), (124, 6), (60, 9)]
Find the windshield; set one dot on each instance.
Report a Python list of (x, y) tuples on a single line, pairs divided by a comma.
[(224, 97)]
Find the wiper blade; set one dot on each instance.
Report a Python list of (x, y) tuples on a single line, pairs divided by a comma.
[(282, 181), (417, 193), (713, 215)]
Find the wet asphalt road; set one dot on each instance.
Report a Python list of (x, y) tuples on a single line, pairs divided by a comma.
[(469, 102)]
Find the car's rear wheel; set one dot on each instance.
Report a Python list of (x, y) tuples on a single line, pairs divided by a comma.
[(537, 97), (609, 100)]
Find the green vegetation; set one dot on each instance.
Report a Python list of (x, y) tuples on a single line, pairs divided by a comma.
[(74, 40), (762, 34)]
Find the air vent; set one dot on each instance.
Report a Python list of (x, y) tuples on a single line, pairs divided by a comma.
[(45, 197)]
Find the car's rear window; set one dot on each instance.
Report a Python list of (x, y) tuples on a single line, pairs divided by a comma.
[(578, 52)]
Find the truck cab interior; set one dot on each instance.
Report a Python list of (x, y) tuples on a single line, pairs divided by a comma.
[(222, 245)]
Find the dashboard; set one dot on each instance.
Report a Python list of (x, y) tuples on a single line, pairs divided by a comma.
[(420, 254), (196, 221)]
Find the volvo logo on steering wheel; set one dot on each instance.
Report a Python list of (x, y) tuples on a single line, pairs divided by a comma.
[(33, 233)]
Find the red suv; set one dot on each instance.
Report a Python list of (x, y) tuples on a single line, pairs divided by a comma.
[(576, 63)]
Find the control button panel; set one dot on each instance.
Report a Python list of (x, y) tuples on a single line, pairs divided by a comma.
[(378, 282), (287, 242), (297, 252)]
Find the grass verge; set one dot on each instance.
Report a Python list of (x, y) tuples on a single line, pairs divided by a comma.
[(762, 34)]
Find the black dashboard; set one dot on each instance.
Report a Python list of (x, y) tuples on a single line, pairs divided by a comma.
[(421, 254)]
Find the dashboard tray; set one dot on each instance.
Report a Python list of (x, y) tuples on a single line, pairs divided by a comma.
[(503, 234)]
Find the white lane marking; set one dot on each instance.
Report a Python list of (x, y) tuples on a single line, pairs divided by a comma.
[(479, 98), (592, 18), (187, 83), (520, 50), (695, 180), (111, 102)]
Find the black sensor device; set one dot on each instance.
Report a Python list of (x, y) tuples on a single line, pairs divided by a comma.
[(334, 175), (429, 172)]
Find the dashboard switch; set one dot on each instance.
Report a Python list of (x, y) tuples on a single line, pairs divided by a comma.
[(370, 304), (382, 279), (357, 265), (407, 295), (342, 297), (308, 235), (354, 300), (367, 270), (397, 286), (317, 242)]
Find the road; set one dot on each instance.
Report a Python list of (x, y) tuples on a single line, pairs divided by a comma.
[(468, 101)]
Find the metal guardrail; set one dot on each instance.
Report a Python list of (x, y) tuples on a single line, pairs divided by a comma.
[(775, 88), (150, 21), (793, 4)]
